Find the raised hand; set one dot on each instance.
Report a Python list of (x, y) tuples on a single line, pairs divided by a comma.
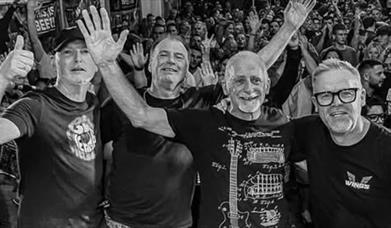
[(98, 36), (18, 62), (254, 22), (208, 43), (207, 75), (137, 56), (303, 42), (297, 11)]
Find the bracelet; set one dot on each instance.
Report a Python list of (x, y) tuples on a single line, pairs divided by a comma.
[(253, 34)]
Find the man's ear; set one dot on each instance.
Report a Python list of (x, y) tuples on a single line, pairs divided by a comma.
[(315, 103), (363, 97), (365, 76), (225, 87), (150, 67), (267, 86)]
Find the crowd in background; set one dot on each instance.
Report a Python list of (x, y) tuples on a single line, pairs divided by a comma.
[(355, 31)]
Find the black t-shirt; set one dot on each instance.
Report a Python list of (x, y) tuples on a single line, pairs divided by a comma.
[(60, 160), (241, 165), (349, 185), (152, 177)]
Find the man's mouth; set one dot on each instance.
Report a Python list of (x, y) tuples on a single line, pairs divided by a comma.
[(249, 98), (169, 69), (338, 114), (78, 69)]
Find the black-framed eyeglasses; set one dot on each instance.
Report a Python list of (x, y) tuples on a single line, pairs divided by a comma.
[(346, 96), (377, 118)]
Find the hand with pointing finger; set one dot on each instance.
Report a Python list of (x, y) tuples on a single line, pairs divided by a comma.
[(98, 36), (18, 63)]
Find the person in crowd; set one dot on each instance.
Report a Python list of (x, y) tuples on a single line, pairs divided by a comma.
[(375, 110), (340, 43), (169, 67), (56, 129), (372, 76)]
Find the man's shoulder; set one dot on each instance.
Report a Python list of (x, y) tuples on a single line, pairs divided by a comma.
[(309, 121), (350, 49)]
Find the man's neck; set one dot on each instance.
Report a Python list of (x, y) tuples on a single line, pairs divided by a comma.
[(340, 46), (73, 92), (162, 93), (244, 116), (354, 136), (369, 90)]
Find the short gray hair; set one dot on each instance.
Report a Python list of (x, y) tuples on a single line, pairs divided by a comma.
[(335, 64), (240, 56)]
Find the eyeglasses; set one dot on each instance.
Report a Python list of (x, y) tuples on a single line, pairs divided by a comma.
[(377, 118), (326, 98)]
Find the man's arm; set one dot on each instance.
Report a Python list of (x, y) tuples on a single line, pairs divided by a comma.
[(32, 29), (8, 131), (104, 50), (130, 102), (294, 16), (17, 64)]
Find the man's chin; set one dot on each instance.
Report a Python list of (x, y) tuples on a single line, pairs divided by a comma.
[(249, 109)]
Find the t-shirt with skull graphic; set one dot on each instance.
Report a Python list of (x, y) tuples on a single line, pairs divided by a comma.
[(242, 165), (60, 160)]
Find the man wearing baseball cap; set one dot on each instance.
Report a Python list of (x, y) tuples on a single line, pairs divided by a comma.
[(57, 132)]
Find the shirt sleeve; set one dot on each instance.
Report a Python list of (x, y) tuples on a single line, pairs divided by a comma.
[(188, 124), (298, 152), (25, 114)]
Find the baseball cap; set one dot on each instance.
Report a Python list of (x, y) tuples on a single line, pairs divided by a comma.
[(67, 35)]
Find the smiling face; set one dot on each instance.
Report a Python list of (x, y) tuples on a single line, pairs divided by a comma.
[(169, 64), (75, 64), (339, 117), (246, 83), (373, 53)]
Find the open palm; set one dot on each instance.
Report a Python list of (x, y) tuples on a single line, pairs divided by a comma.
[(98, 37), (297, 11)]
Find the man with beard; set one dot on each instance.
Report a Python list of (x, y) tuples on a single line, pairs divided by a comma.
[(339, 36), (348, 157), (164, 200), (372, 76)]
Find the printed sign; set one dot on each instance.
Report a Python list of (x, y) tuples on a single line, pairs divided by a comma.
[(45, 18)]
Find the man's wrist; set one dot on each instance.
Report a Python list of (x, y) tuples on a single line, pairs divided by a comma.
[(106, 64), (138, 68), (288, 28)]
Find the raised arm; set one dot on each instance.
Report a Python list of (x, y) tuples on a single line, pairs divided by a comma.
[(104, 50), (17, 64), (294, 16), (32, 29)]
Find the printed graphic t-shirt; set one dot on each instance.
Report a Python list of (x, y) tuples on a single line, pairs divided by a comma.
[(349, 185), (241, 165), (60, 160)]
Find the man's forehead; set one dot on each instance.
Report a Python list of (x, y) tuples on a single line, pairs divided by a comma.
[(248, 67), (335, 80), (172, 46), (76, 44)]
